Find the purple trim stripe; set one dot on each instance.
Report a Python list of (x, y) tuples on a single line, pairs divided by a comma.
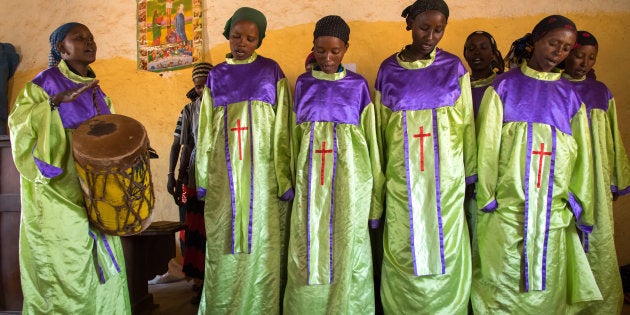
[(230, 176), (409, 194), (471, 179), (528, 158), (438, 201), (586, 249), (576, 208), (49, 171), (201, 193), (288, 195), (101, 274), (110, 252), (374, 223), (308, 205), (584, 231), (588, 229), (251, 179), (491, 207), (552, 165), (621, 192), (332, 198)]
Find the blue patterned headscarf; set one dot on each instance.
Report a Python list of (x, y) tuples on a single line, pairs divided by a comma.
[(57, 37)]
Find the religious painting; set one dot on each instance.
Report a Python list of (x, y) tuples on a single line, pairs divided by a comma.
[(170, 34)]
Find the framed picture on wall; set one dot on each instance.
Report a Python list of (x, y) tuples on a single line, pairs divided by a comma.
[(169, 34)]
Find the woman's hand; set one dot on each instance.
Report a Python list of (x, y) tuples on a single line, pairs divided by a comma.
[(71, 94)]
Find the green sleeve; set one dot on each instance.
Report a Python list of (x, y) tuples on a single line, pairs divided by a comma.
[(621, 171), (37, 134), (282, 140), (368, 124), (108, 101), (582, 183), (489, 126), (464, 103), (202, 156)]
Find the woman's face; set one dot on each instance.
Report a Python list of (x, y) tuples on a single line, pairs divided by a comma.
[(329, 52), (427, 29), (78, 46), (580, 61), (478, 53), (552, 49), (243, 39)]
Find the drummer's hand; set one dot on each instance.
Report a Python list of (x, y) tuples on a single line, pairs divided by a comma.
[(179, 190), (71, 94), (170, 185)]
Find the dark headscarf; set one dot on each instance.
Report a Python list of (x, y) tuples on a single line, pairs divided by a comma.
[(421, 6), (520, 51), (551, 23), (332, 25), (57, 37), (497, 63), (247, 14), (585, 38)]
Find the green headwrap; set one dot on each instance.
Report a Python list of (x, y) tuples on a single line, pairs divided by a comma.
[(247, 14)]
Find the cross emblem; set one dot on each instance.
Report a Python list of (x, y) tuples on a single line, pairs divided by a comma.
[(323, 152), (239, 129), (541, 154), (421, 137)]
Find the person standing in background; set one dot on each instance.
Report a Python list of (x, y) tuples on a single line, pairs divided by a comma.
[(184, 188), (611, 170)]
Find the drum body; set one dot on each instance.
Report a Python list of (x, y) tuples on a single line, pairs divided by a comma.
[(111, 153)]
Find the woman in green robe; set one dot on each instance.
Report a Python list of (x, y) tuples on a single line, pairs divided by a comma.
[(243, 173), (66, 266), (535, 186), (425, 116), (338, 186), (611, 169)]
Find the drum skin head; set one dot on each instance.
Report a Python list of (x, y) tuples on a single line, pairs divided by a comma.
[(109, 140)]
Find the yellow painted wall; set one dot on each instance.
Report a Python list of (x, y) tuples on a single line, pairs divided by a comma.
[(377, 31)]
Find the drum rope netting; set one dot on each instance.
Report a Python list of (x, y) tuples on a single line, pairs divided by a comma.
[(137, 194)]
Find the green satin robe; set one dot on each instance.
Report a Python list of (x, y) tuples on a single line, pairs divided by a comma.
[(438, 286), (612, 172), (241, 277), (338, 277), (57, 264), (499, 281)]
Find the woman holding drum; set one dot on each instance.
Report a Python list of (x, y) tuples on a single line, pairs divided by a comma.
[(66, 265)]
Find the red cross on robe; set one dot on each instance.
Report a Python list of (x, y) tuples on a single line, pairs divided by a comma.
[(238, 129), (421, 137)]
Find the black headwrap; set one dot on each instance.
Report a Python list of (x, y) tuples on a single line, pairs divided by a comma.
[(247, 14), (57, 37), (332, 25), (520, 51), (497, 63), (551, 23), (421, 6), (585, 38)]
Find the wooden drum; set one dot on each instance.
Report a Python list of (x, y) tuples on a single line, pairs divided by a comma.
[(111, 153)]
